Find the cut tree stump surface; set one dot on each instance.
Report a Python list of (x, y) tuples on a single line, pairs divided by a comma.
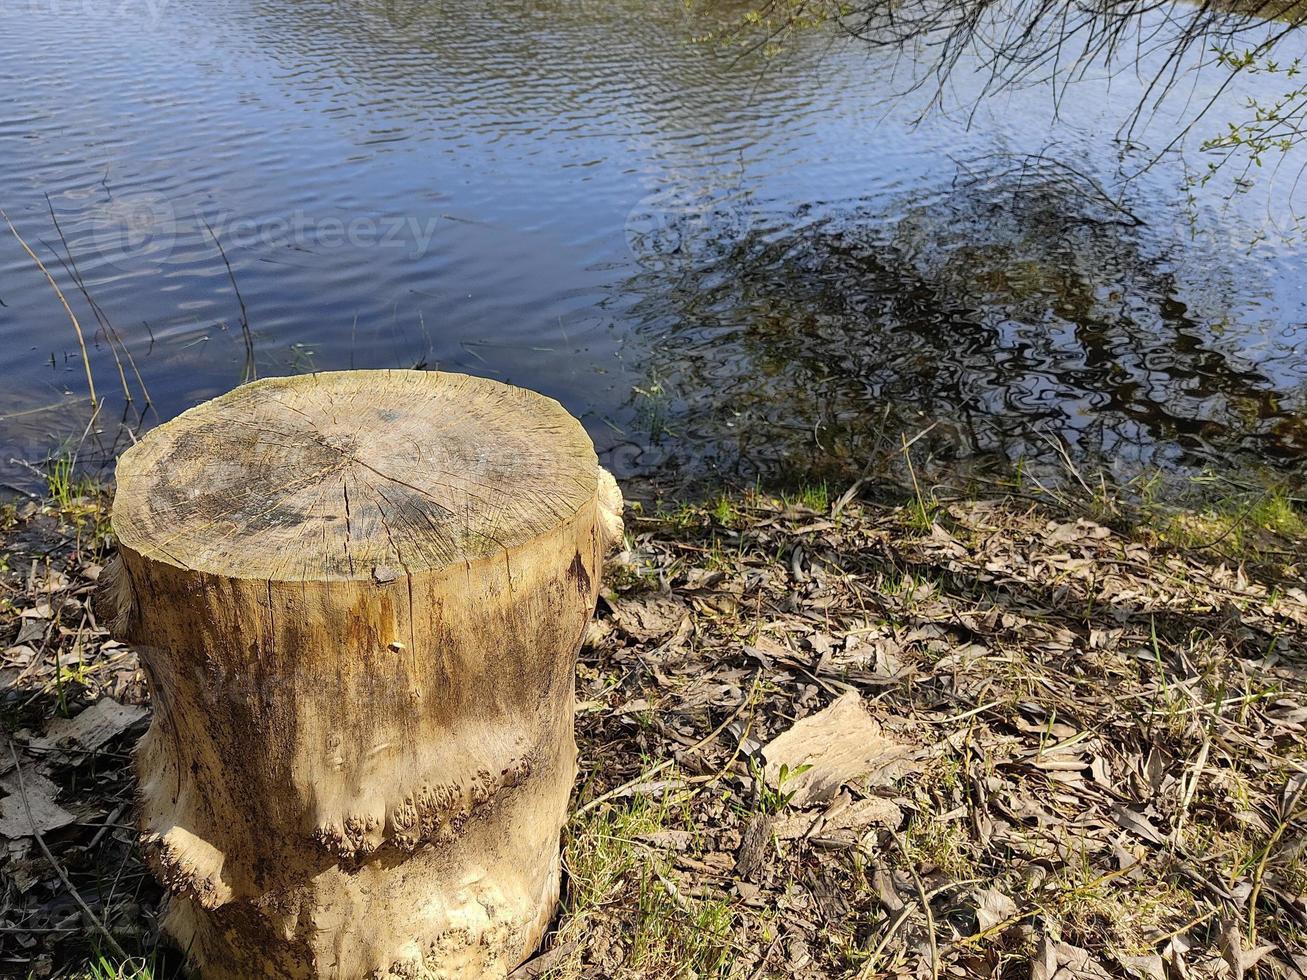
[(347, 474), (358, 599)]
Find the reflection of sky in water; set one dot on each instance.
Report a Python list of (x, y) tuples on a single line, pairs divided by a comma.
[(569, 196)]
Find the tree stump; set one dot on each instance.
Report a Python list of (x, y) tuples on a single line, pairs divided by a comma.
[(358, 598)]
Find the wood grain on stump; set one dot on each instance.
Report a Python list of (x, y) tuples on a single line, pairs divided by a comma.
[(358, 598)]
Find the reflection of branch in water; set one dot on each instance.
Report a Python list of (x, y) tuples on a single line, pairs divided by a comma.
[(1046, 171), (999, 46)]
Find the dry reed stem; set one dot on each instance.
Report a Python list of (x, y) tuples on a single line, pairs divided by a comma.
[(81, 339)]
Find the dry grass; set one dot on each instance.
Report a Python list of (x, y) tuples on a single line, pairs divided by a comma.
[(1114, 783)]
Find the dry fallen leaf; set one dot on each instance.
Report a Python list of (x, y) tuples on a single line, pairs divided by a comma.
[(1236, 956), (1149, 966), (842, 816), (30, 630), (69, 739), (887, 890), (838, 745), (648, 617), (1137, 824), (1062, 961), (992, 908), (29, 806)]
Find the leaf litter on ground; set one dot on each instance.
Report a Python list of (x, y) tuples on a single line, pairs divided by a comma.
[(832, 744)]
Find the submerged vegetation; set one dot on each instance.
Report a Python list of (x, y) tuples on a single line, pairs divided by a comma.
[(1022, 319), (1089, 719)]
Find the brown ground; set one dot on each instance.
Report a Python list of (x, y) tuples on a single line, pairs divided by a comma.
[(1059, 751)]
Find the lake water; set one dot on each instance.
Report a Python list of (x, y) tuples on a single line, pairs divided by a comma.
[(724, 264)]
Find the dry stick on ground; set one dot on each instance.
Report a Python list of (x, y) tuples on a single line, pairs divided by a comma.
[(1290, 815), (706, 781), (81, 339), (923, 898), (890, 931), (112, 943), (656, 769), (925, 904)]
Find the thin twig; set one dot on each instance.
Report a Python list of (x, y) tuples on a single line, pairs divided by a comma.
[(902, 916), (110, 331), (925, 905), (251, 368), (655, 770), (112, 943)]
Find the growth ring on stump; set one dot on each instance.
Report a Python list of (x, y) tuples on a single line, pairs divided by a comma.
[(358, 598)]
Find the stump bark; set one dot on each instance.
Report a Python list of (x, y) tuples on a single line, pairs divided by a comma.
[(358, 599)]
